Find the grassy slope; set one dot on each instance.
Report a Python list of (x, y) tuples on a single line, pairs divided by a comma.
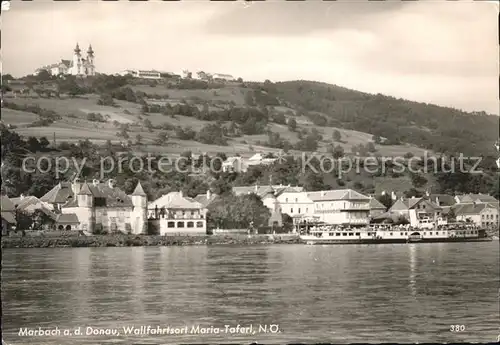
[(75, 127)]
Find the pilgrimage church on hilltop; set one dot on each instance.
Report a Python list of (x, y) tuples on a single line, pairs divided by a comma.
[(78, 66)]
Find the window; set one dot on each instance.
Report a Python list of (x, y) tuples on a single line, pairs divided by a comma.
[(482, 216), (291, 210), (330, 234), (401, 234), (390, 233), (190, 224), (199, 224), (358, 234), (299, 210), (308, 209), (369, 234), (351, 234), (337, 234), (296, 200), (171, 224), (192, 213), (180, 224), (286, 200), (425, 233), (344, 234), (430, 233)]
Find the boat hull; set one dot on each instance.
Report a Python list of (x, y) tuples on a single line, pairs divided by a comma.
[(393, 240)]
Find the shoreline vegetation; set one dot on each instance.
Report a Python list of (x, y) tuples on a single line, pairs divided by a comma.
[(124, 240)]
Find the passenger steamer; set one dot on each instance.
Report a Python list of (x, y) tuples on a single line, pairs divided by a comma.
[(392, 234)]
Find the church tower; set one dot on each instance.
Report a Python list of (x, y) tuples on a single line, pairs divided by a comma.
[(140, 211), (90, 61), (77, 61)]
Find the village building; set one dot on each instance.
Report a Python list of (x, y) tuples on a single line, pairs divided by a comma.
[(269, 195), (8, 213), (40, 213), (234, 164), (296, 203), (98, 207), (259, 159), (175, 213), (341, 207), (476, 199), (142, 74), (376, 208), (419, 212), (222, 77), (206, 198), (481, 214), (77, 66)]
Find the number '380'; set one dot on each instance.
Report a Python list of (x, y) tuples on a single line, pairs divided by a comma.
[(457, 328)]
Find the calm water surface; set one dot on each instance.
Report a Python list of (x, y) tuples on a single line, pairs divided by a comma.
[(341, 294)]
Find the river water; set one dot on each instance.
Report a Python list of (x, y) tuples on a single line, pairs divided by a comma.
[(288, 293)]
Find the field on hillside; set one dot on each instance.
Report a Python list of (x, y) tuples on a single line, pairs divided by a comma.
[(76, 126), (81, 106), (18, 118), (230, 93)]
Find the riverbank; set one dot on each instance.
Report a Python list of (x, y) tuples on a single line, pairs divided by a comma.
[(122, 240)]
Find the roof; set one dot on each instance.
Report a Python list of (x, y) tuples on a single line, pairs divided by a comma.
[(443, 199), (469, 198), (339, 194), (30, 204), (59, 194), (202, 199), (375, 204), (63, 194), (67, 218), (85, 190), (471, 209), (6, 205), (175, 200), (265, 190), (138, 190), (9, 217)]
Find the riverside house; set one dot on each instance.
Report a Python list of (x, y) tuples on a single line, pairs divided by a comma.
[(175, 213), (420, 212), (341, 207), (481, 214), (98, 207)]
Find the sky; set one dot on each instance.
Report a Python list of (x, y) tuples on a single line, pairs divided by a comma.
[(438, 52)]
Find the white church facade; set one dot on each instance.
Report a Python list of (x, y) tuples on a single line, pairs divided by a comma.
[(77, 66)]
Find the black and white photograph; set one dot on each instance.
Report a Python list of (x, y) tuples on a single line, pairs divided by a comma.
[(250, 172)]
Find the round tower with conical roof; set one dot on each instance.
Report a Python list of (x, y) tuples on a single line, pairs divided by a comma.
[(140, 212)]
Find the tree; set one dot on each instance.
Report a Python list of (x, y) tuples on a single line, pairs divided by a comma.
[(138, 139), (292, 124), (162, 138), (336, 135), (249, 100), (418, 180), (238, 212), (377, 139), (148, 125), (386, 200), (451, 216), (370, 147), (43, 143)]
